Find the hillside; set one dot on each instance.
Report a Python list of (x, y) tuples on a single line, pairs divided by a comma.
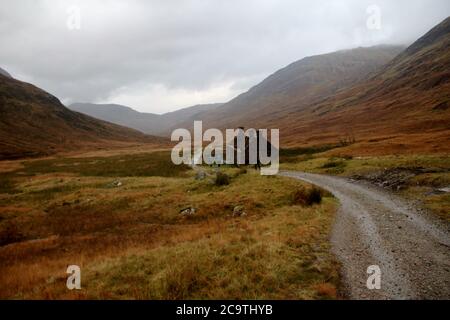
[(121, 115), (5, 73), (388, 99), (33, 122), (405, 106), (300, 84), (149, 123)]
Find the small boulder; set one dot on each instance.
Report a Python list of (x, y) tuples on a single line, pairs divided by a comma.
[(238, 211), (189, 211), (115, 184), (200, 175)]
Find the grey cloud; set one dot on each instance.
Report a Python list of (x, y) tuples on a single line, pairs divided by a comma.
[(187, 46)]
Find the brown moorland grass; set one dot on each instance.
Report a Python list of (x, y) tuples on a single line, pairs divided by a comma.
[(131, 241)]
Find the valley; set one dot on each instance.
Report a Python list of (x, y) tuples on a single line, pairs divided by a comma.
[(365, 159)]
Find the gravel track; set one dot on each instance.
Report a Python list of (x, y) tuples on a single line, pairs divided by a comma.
[(374, 227)]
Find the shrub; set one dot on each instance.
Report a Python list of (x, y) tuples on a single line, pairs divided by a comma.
[(332, 164), (10, 234), (242, 170), (222, 179), (314, 196), (307, 197)]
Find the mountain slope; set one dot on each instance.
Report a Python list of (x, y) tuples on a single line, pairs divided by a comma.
[(121, 115), (404, 106), (176, 119), (389, 100), (300, 84), (34, 122), (5, 73), (146, 122)]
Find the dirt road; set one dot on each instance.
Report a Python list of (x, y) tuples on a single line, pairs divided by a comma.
[(374, 227)]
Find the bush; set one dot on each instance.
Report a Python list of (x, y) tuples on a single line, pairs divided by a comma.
[(332, 164), (222, 179), (307, 197), (314, 196), (242, 170), (10, 234)]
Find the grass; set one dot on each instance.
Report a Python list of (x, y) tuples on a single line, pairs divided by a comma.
[(132, 243), (274, 257), (222, 179), (307, 196), (292, 155), (136, 165)]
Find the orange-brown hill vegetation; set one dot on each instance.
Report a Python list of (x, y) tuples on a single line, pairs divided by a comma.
[(398, 106), (35, 123)]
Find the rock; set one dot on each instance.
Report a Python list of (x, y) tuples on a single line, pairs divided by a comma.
[(394, 179), (189, 211), (115, 184), (200, 175), (238, 211), (438, 191)]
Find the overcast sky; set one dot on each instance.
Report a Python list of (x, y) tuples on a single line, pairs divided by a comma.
[(159, 56)]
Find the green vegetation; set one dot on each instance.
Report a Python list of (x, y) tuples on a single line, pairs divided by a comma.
[(135, 165), (292, 155)]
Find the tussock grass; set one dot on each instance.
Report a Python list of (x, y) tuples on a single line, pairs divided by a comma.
[(307, 196), (276, 257), (292, 155), (134, 165), (131, 241), (222, 179)]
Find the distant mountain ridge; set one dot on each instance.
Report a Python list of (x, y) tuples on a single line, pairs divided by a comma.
[(5, 73), (301, 82), (390, 99), (149, 123), (119, 114), (298, 85)]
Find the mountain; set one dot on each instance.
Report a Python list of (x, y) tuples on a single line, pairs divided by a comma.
[(149, 123), (388, 99), (118, 114), (402, 107), (33, 122), (4, 73), (294, 86), (174, 120), (300, 84)]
